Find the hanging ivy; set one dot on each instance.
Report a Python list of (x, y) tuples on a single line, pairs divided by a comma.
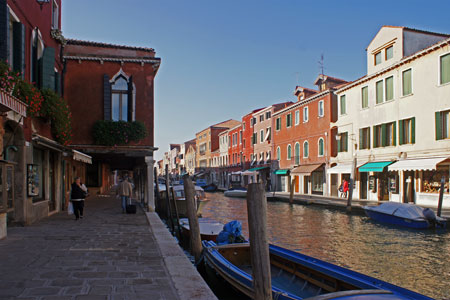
[(56, 109), (111, 133)]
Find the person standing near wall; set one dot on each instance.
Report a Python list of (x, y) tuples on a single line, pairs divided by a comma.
[(77, 196)]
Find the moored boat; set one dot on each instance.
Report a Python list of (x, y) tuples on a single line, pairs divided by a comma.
[(238, 192), (177, 191), (298, 276), (209, 229), (405, 214)]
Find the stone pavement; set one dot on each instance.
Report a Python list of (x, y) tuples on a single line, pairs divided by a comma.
[(106, 255)]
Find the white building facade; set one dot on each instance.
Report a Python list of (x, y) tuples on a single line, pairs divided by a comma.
[(394, 123)]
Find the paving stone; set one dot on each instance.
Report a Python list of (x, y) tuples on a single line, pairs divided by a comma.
[(91, 297), (89, 274), (123, 275), (74, 290), (43, 291), (100, 290), (67, 282)]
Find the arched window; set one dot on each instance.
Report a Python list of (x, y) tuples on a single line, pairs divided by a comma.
[(305, 149), (297, 153), (119, 103), (320, 147), (278, 153), (289, 152)]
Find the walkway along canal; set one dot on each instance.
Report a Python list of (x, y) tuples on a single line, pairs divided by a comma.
[(414, 259)]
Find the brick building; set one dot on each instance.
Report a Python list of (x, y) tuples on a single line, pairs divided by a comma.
[(303, 138), (111, 87)]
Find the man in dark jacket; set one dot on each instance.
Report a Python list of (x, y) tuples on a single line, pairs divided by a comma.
[(77, 196)]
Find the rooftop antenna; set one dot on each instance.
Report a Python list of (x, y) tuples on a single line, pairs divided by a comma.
[(321, 64)]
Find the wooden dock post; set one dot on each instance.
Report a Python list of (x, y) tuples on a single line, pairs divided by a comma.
[(441, 196), (157, 196), (169, 210), (194, 228), (259, 245), (291, 194), (350, 186), (174, 202)]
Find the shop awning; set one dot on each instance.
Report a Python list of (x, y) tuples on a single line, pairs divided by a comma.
[(281, 172), (377, 166), (305, 169), (417, 164), (257, 169), (8, 102), (344, 168), (80, 156)]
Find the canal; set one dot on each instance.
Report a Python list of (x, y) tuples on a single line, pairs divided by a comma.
[(417, 260)]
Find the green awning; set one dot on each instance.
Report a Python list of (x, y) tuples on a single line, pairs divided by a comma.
[(281, 172), (257, 169), (375, 166)]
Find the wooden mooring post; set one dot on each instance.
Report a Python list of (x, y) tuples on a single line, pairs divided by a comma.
[(174, 201), (441, 196), (169, 209), (156, 191), (291, 190), (194, 228), (259, 245)]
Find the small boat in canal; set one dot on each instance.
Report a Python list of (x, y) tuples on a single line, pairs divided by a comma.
[(210, 188), (236, 192), (405, 214), (178, 193), (298, 276), (209, 229)]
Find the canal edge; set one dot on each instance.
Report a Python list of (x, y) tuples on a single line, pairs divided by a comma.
[(185, 278)]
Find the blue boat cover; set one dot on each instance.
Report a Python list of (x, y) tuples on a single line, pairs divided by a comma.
[(402, 210), (230, 233)]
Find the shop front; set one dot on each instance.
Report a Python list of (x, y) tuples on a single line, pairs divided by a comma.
[(420, 180), (382, 185), (281, 179), (311, 178)]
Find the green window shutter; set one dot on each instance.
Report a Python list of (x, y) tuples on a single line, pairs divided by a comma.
[(107, 110), (395, 133), (48, 68), (400, 132), (438, 125), (379, 91), (19, 47), (413, 130), (383, 135), (58, 83), (389, 88), (406, 82), (368, 137), (364, 97), (4, 32), (130, 99), (375, 133), (361, 141), (445, 69), (346, 142), (339, 144)]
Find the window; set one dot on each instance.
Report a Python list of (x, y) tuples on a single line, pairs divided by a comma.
[(443, 125), (289, 120), (289, 152), (379, 91), (305, 149), (445, 69), (321, 111), (377, 136), (390, 134), (321, 147), (364, 97), (407, 131), (278, 124), (389, 52), (297, 154), (55, 15), (378, 58), (261, 138), (119, 98), (240, 137), (364, 138), (297, 117), (305, 114), (406, 82), (243, 125), (343, 142), (343, 105), (255, 138), (261, 118), (38, 166), (389, 82), (202, 149), (267, 115), (268, 134), (253, 121), (278, 153)]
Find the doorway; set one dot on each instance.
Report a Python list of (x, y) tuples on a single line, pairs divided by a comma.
[(334, 185), (297, 184), (408, 186), (363, 187), (306, 184)]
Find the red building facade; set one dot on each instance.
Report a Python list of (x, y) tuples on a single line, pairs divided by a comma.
[(248, 139), (235, 155), (303, 138)]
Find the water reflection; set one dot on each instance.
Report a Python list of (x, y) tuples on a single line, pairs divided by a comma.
[(417, 260)]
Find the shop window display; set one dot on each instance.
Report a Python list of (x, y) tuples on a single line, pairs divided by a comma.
[(431, 182)]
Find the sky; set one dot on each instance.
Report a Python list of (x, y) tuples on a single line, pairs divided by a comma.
[(222, 59)]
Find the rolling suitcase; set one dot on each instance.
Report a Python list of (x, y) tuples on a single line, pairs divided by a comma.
[(131, 208)]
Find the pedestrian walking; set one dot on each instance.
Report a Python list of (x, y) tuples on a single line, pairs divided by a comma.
[(78, 193), (345, 188), (125, 191)]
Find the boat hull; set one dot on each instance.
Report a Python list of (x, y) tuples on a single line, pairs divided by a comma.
[(347, 284), (235, 193), (394, 220)]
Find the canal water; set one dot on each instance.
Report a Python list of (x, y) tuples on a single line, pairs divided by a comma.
[(418, 260)]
